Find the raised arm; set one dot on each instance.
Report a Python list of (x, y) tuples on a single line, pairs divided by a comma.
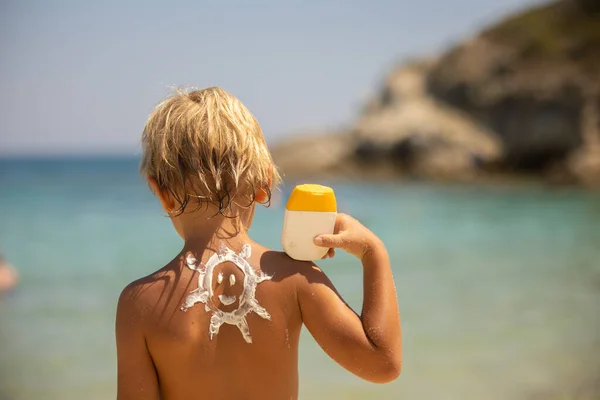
[(136, 375), (369, 345)]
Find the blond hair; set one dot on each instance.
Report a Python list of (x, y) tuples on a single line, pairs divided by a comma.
[(205, 144)]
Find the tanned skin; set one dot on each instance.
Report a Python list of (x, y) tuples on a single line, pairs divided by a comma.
[(165, 353)]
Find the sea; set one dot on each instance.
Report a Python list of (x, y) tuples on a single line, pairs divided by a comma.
[(498, 285)]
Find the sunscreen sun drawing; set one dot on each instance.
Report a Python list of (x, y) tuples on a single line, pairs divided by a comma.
[(247, 300)]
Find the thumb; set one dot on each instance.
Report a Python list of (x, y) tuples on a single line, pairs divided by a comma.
[(331, 241)]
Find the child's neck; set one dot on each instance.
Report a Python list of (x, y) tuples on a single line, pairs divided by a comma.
[(203, 229)]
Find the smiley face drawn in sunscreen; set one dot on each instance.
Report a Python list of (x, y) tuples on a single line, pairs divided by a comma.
[(224, 299), (247, 299)]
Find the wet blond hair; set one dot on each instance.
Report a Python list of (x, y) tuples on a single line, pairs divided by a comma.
[(206, 145)]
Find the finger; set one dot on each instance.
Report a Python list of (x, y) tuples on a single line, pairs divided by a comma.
[(331, 241), (340, 222), (331, 253)]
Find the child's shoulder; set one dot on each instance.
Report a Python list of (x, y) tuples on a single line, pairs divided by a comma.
[(138, 295), (281, 266)]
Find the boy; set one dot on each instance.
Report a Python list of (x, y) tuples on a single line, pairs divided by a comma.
[(222, 319)]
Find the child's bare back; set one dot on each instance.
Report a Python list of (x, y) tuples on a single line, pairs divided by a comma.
[(222, 320), (190, 364)]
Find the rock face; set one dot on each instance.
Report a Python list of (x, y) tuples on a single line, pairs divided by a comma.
[(535, 113), (402, 131), (529, 79), (522, 96), (316, 153), (417, 133)]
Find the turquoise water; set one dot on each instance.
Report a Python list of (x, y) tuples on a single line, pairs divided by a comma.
[(499, 288)]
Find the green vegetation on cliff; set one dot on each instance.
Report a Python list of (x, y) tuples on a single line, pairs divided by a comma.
[(563, 31)]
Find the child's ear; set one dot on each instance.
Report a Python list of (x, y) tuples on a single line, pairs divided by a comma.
[(166, 200), (262, 195)]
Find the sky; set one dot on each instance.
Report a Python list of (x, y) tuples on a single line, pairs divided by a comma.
[(81, 77)]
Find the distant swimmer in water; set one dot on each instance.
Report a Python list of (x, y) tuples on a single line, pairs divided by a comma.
[(8, 275)]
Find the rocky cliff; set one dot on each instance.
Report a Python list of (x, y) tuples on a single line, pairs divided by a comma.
[(521, 97)]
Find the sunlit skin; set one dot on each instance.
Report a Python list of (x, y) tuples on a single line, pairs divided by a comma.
[(226, 289), (166, 353), (246, 297)]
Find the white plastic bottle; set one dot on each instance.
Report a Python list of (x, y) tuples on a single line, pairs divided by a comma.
[(310, 211)]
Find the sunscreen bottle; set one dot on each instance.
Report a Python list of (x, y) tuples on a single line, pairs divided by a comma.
[(310, 211)]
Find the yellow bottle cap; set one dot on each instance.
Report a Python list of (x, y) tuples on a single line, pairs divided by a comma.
[(311, 197)]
